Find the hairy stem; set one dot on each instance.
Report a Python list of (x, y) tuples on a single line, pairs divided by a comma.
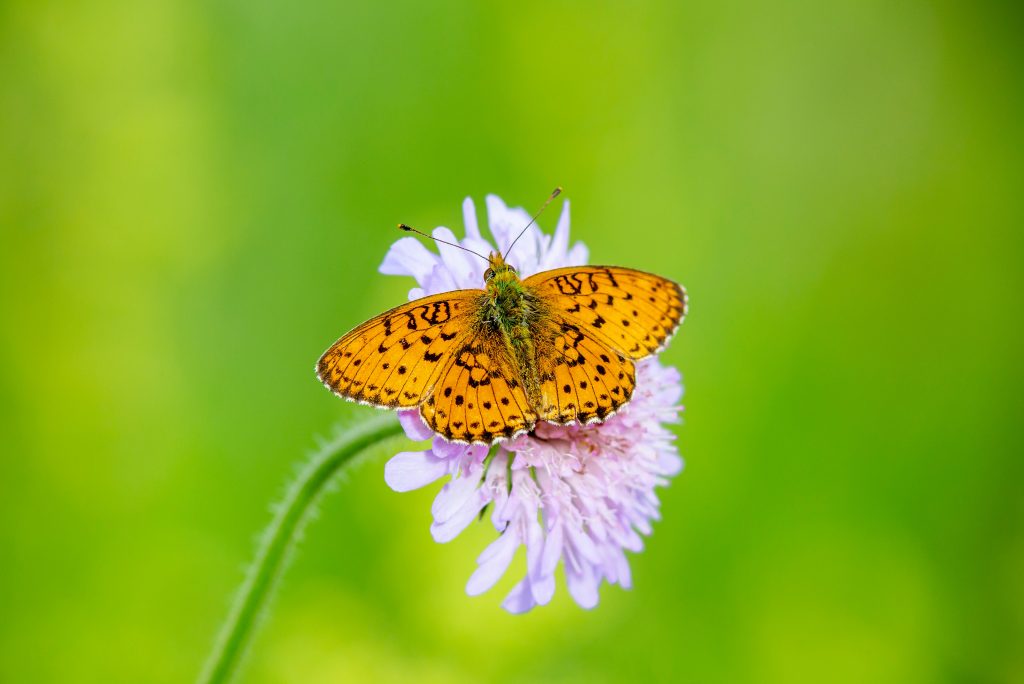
[(279, 539)]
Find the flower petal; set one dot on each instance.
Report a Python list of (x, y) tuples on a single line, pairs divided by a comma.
[(453, 496), (413, 425), (520, 599), (582, 542), (469, 218), (450, 450), (577, 256), (462, 265), (583, 586), (623, 572), (669, 463), (448, 529), (552, 551), (439, 280), (410, 470), (505, 223), (557, 249), (493, 563), (408, 256)]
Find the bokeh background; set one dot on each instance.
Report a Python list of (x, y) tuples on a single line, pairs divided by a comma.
[(194, 199)]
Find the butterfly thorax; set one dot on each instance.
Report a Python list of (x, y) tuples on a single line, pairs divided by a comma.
[(514, 313)]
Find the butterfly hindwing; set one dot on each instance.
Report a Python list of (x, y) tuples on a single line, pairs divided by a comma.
[(478, 397), (630, 311), (394, 359), (581, 378)]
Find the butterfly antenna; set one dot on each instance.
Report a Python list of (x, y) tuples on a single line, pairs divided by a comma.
[(556, 193), (410, 229)]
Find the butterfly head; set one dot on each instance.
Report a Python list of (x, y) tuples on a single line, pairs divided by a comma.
[(498, 271)]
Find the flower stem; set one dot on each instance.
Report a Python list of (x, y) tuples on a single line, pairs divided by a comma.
[(279, 539)]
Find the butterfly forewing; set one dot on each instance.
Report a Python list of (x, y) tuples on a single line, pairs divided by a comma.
[(630, 311), (393, 360)]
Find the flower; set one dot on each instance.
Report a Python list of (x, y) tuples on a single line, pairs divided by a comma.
[(580, 494)]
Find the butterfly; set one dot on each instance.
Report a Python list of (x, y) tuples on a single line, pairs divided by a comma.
[(485, 365)]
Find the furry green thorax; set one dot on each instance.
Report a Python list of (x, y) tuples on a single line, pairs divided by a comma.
[(514, 310)]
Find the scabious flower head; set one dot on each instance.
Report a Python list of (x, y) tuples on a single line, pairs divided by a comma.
[(579, 494)]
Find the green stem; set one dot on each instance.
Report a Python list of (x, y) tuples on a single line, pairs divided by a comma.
[(279, 539)]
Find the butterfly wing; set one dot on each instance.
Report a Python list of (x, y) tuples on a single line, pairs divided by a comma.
[(628, 311), (478, 397), (601, 319), (581, 378), (394, 359)]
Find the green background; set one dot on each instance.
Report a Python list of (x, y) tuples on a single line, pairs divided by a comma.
[(194, 199)]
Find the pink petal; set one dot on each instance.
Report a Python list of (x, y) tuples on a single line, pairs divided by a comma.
[(449, 450), (583, 586), (459, 263), (453, 497), (552, 551), (534, 546), (410, 470), (670, 464), (582, 542), (469, 218), (520, 599), (450, 528), (408, 256), (439, 279), (493, 562), (556, 251), (413, 425), (505, 223), (623, 571), (577, 256), (543, 589)]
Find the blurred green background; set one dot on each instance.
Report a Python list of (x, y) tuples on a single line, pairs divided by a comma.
[(194, 199)]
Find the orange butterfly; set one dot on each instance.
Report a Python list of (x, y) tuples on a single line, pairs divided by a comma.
[(486, 365)]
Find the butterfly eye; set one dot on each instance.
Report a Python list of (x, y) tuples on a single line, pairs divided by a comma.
[(488, 274)]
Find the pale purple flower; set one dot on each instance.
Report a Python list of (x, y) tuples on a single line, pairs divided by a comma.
[(582, 495)]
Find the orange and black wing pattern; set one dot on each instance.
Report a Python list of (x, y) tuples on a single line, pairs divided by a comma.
[(582, 379), (601, 319), (394, 359), (632, 312), (479, 397)]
